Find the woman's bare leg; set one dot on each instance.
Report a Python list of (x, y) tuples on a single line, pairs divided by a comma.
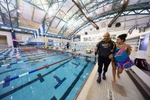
[(113, 72), (119, 71)]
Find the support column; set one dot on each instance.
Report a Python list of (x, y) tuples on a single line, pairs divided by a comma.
[(45, 40)]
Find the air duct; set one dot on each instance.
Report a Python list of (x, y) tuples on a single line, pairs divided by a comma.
[(83, 12), (124, 6)]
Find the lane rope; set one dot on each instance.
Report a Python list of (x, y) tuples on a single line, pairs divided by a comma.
[(32, 71), (33, 59)]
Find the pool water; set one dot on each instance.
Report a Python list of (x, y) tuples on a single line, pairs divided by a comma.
[(60, 81)]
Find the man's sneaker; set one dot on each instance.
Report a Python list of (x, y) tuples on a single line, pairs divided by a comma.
[(98, 79), (104, 77)]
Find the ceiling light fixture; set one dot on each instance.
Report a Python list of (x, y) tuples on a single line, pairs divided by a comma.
[(18, 10)]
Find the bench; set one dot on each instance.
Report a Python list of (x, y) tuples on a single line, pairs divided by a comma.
[(141, 80), (144, 77)]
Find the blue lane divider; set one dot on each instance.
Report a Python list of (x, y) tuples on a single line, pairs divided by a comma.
[(8, 83), (31, 55), (25, 60), (3, 51), (9, 51), (6, 58), (13, 63), (41, 68)]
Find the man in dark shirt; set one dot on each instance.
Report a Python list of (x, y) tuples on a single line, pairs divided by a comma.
[(104, 49)]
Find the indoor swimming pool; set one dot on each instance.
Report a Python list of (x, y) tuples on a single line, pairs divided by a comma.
[(42, 74)]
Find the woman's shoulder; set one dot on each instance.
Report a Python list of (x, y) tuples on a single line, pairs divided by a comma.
[(123, 46), (127, 45)]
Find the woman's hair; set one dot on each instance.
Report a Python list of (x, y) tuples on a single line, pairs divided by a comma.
[(122, 37)]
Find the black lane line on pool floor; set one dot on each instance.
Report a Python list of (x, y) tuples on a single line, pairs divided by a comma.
[(73, 83), (9, 70), (53, 98), (30, 82)]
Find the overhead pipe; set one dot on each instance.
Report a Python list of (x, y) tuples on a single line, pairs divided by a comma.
[(124, 6), (83, 12)]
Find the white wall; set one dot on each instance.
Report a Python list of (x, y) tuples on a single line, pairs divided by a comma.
[(24, 37), (9, 38), (135, 34)]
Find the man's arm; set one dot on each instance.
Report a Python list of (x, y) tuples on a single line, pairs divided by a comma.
[(96, 51), (113, 48)]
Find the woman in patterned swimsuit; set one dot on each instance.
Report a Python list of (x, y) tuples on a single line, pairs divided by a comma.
[(120, 43)]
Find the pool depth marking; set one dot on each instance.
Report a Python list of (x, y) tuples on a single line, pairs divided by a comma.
[(24, 74)]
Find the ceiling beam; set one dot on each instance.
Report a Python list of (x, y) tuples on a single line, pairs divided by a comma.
[(7, 3), (124, 6), (102, 16), (2, 16), (84, 13)]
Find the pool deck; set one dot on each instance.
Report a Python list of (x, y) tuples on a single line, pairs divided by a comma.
[(122, 89)]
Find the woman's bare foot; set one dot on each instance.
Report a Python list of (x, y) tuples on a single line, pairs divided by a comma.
[(118, 75), (113, 80)]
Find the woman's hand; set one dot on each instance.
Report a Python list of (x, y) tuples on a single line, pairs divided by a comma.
[(111, 56)]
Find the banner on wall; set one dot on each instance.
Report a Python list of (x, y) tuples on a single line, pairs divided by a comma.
[(50, 42), (144, 42)]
